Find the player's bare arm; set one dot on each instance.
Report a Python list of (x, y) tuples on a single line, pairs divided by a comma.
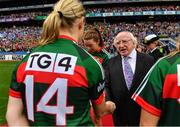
[(15, 115)]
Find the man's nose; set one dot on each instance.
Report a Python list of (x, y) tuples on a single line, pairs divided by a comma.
[(121, 44)]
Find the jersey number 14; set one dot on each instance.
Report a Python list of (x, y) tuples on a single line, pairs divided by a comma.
[(58, 88)]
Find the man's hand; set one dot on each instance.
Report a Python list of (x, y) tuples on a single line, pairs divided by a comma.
[(110, 106)]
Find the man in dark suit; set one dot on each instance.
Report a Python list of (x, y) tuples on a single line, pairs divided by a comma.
[(120, 83), (152, 42)]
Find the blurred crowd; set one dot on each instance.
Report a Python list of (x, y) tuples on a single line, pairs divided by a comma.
[(33, 15), (25, 38), (133, 9), (139, 29), (29, 15), (19, 38)]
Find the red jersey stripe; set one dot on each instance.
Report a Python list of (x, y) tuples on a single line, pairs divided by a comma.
[(15, 94), (147, 106), (99, 59), (171, 88), (20, 74), (79, 78), (67, 37), (99, 100)]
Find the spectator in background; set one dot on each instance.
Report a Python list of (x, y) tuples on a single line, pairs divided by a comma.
[(53, 85), (30, 35), (164, 49), (123, 73), (140, 48), (159, 93), (151, 41)]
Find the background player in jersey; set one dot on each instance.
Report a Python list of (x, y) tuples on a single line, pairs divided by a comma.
[(95, 45), (159, 93), (53, 85)]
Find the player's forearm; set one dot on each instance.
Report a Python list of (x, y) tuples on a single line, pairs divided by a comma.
[(17, 120), (148, 119), (14, 114)]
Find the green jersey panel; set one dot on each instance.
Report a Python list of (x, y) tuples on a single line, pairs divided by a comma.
[(159, 92), (102, 56), (56, 82)]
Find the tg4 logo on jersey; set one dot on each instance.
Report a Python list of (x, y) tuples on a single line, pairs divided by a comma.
[(52, 62)]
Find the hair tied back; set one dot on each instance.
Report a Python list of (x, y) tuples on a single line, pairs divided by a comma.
[(60, 14)]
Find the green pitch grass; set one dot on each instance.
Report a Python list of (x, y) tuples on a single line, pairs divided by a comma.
[(6, 68)]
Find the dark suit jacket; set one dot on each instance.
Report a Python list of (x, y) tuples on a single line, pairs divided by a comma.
[(127, 111)]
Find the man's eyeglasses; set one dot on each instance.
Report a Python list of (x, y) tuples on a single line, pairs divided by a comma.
[(123, 41)]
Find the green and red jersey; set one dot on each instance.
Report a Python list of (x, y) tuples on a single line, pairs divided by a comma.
[(56, 82), (159, 92), (102, 56)]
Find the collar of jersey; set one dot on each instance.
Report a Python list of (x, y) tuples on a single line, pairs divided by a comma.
[(67, 37), (100, 48)]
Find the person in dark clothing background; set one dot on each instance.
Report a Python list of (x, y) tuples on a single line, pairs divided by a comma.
[(151, 41)]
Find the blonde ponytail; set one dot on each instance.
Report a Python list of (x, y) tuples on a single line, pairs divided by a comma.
[(51, 28), (63, 16)]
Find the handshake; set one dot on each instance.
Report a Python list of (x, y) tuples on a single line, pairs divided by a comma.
[(104, 108), (110, 106)]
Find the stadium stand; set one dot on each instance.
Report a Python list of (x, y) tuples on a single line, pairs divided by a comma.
[(21, 21), (161, 18)]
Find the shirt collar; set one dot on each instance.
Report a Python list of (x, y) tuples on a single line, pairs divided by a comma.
[(132, 55), (153, 49), (100, 48), (67, 37)]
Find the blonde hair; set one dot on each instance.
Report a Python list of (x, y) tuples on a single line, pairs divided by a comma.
[(177, 47), (178, 43), (63, 16)]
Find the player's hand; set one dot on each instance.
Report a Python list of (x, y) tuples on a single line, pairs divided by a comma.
[(97, 121), (110, 106)]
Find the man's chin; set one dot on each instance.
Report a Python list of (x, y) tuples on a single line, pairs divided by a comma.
[(123, 53)]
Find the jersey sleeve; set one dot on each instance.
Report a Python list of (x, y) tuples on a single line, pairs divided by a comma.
[(97, 93), (17, 78), (95, 76), (96, 89), (14, 89), (149, 93)]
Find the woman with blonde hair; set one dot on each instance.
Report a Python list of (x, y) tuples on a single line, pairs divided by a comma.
[(54, 84), (159, 92)]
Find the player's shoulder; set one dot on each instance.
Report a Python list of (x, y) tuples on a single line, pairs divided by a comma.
[(90, 61), (94, 70), (104, 51), (173, 58)]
